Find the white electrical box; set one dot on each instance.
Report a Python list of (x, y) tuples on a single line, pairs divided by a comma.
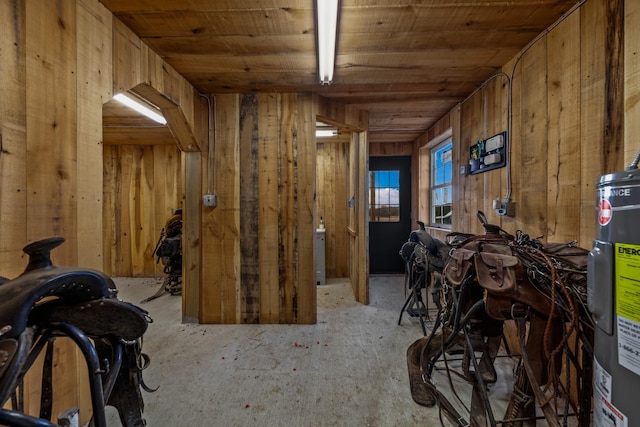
[(494, 143), (491, 159), (321, 276)]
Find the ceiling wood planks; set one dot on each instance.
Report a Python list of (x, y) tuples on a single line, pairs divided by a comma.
[(406, 64)]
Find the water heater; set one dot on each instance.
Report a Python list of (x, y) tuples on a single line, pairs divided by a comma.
[(614, 299)]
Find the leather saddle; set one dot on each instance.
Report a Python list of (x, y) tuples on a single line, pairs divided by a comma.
[(48, 293), (65, 300)]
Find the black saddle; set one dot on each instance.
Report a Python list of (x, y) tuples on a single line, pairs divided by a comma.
[(46, 292), (47, 301)]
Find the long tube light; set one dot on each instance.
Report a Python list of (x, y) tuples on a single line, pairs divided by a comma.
[(140, 108), (326, 133), (327, 25)]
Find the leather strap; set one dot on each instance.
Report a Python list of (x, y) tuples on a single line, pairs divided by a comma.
[(46, 397), (544, 403)]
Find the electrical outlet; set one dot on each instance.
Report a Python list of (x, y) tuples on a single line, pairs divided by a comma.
[(210, 200), (506, 208)]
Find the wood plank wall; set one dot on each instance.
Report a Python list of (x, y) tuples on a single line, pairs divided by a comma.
[(142, 189), (258, 243), (566, 131), (332, 205)]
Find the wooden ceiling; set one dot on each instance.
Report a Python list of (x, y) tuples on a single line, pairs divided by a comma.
[(408, 64)]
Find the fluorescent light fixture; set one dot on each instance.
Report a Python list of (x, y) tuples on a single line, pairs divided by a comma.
[(326, 133), (327, 25), (135, 104)]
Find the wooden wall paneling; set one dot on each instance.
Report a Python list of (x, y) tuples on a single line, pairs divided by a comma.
[(306, 213), (514, 70), (123, 242), (391, 149), (351, 213), (51, 126), (13, 171), (249, 210), (325, 176), (267, 216), (424, 179), (592, 112), (110, 182), (339, 232), (563, 154), (287, 246), (143, 231), (126, 58), (94, 86), (165, 198), (494, 101), (631, 80), (51, 155), (458, 181), (331, 201), (472, 185), (362, 218), (219, 285), (191, 238), (532, 165), (13, 199), (613, 139), (415, 183)]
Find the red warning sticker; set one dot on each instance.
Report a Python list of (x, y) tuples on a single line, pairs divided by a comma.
[(604, 212)]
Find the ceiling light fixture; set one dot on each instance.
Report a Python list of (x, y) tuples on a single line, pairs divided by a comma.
[(326, 133), (137, 105), (326, 29)]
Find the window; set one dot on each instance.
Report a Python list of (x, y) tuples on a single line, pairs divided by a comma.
[(441, 172), (384, 196)]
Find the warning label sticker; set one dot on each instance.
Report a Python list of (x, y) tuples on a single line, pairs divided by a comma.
[(604, 413), (628, 305)]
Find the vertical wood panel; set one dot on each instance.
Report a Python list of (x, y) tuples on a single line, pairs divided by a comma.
[(362, 220), (13, 191), (331, 201), (126, 58), (341, 245), (192, 241), (51, 125), (221, 226), (268, 117), (287, 245), (249, 211), (531, 164), (306, 182), (51, 149), (13, 200), (564, 131), (94, 87)]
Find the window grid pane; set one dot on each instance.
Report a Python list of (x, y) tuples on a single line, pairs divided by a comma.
[(441, 188), (384, 196)]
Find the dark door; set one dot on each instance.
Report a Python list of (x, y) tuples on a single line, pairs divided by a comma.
[(389, 212)]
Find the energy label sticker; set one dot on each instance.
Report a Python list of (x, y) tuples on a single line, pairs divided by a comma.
[(628, 305)]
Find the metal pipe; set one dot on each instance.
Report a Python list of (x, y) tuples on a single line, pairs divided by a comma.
[(634, 162)]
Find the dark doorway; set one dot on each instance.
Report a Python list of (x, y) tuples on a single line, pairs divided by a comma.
[(389, 212)]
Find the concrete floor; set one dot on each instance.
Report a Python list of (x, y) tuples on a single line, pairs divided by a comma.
[(349, 369)]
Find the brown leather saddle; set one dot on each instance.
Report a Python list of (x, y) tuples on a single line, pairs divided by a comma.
[(494, 277)]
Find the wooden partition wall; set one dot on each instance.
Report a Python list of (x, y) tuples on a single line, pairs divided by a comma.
[(332, 204), (567, 121), (142, 189)]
